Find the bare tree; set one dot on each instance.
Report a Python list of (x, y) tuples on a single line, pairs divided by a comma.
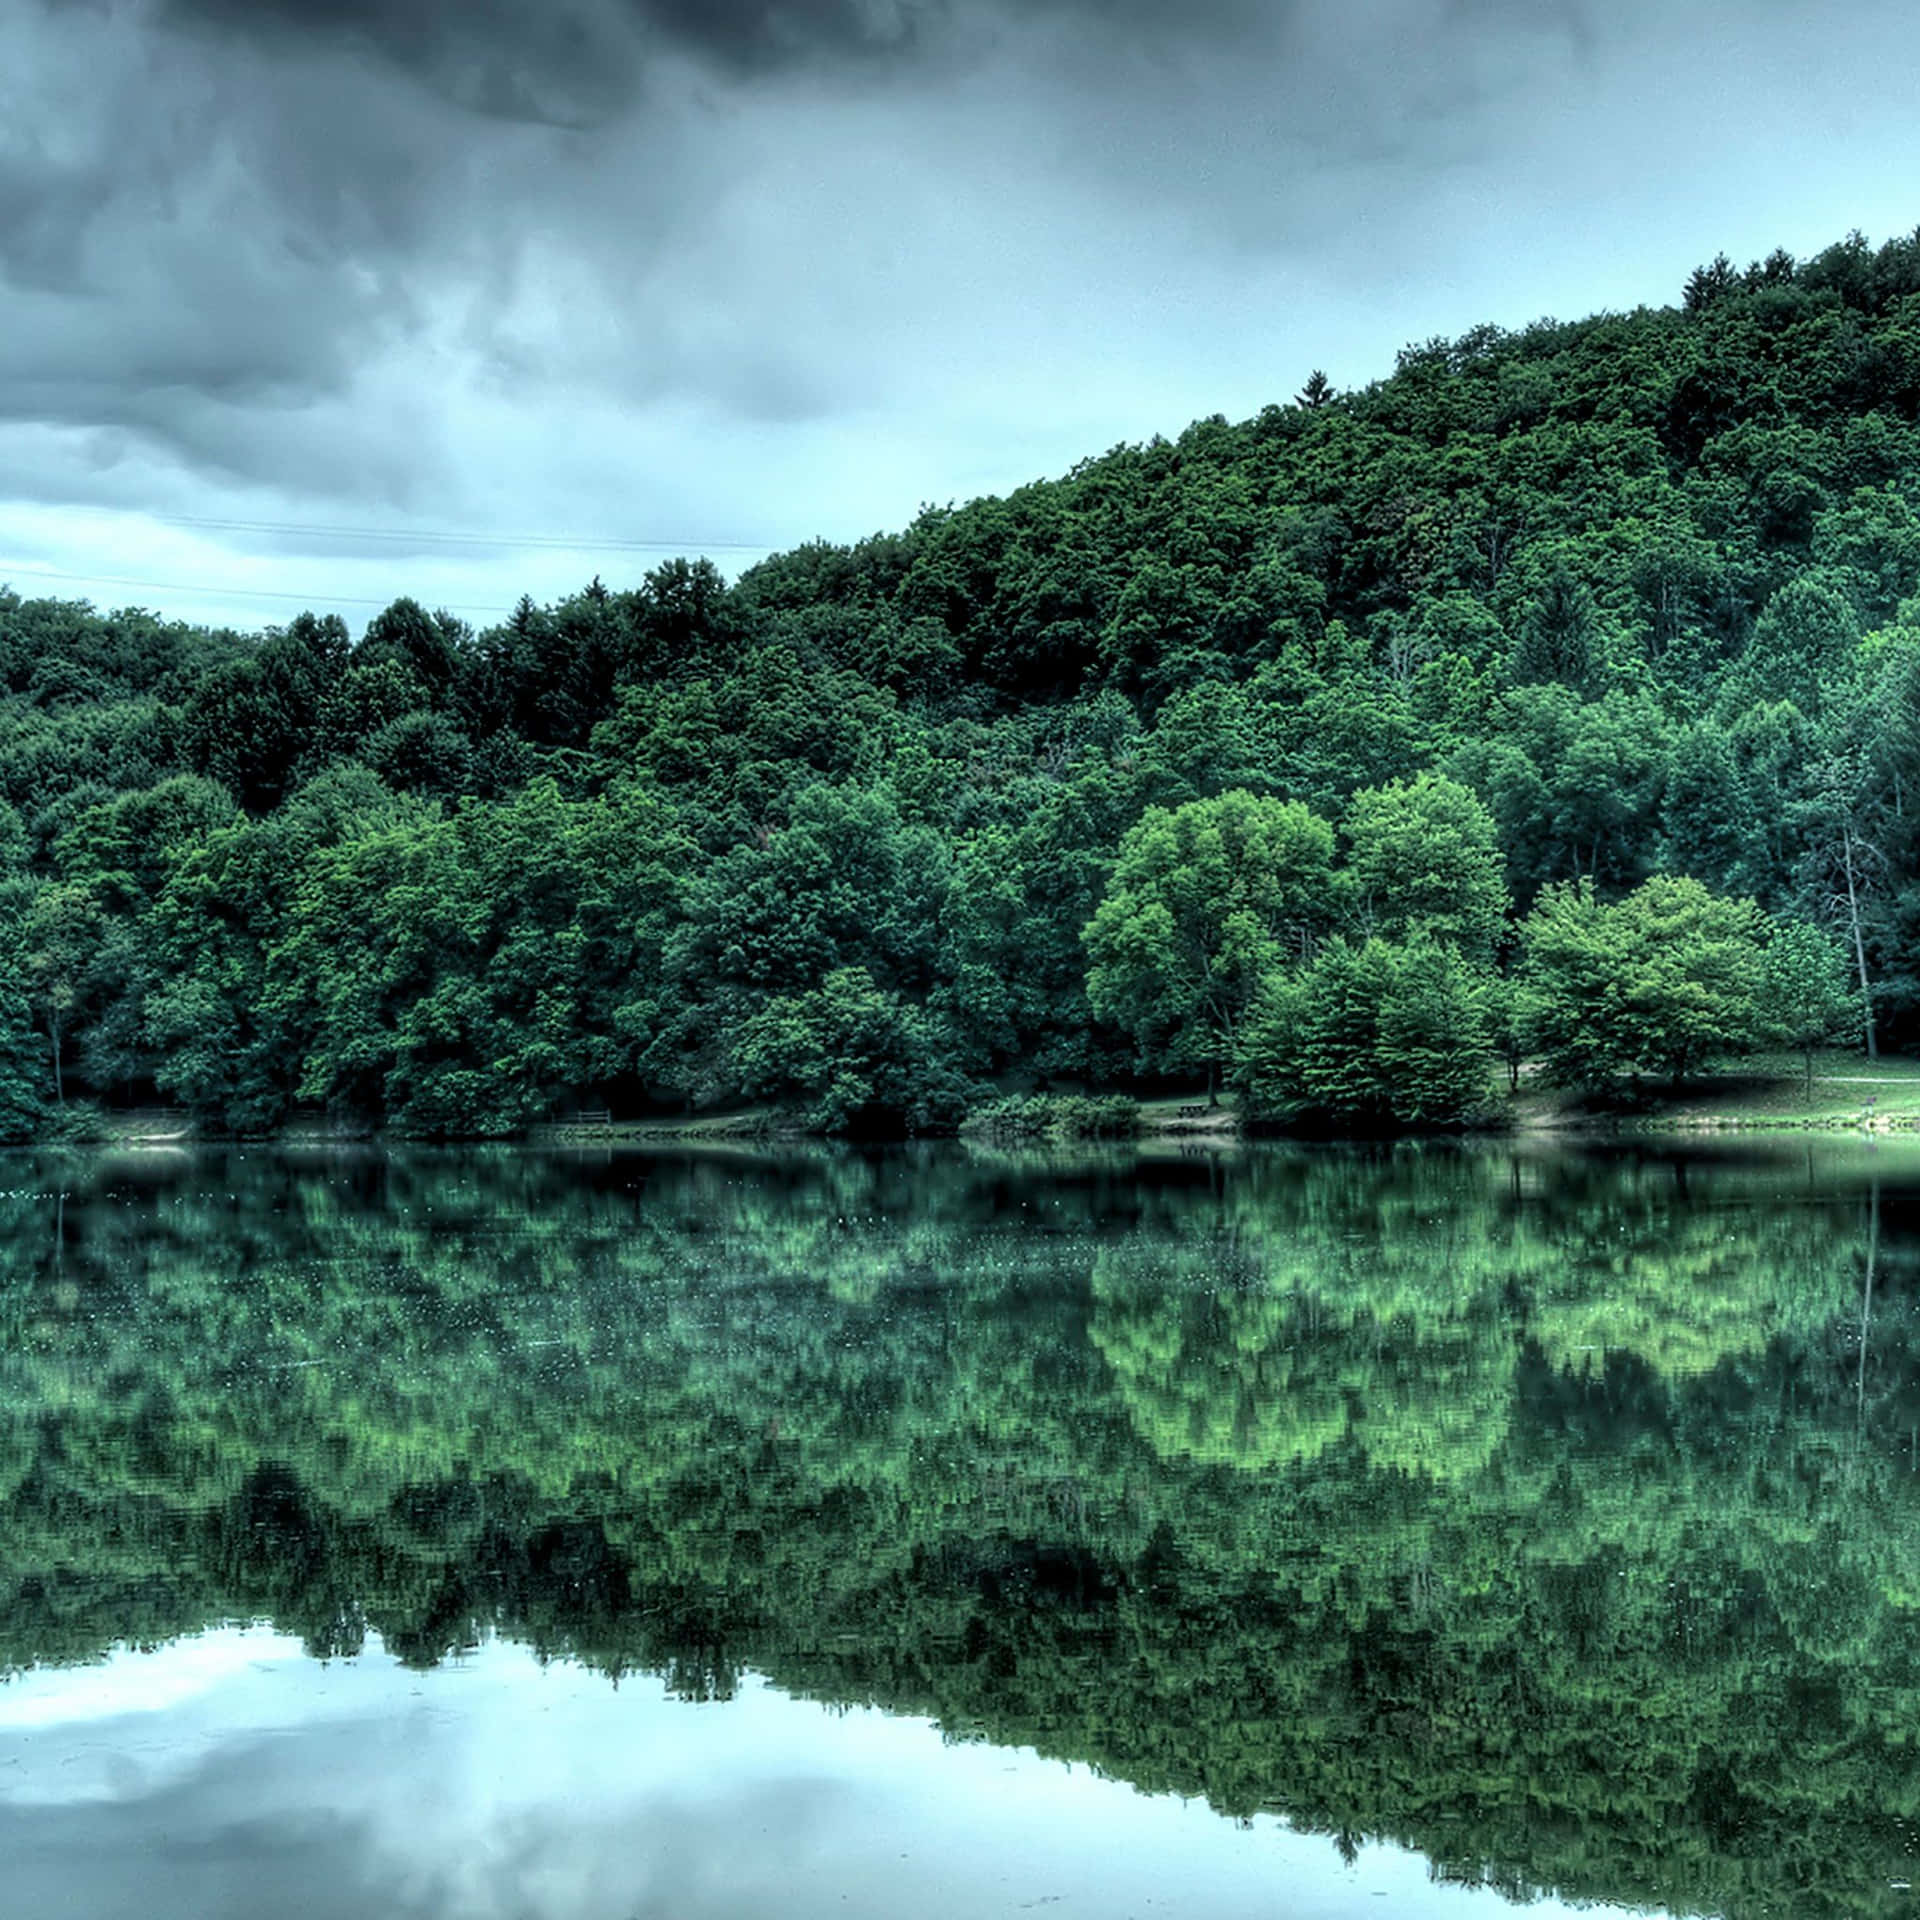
[(1844, 868)]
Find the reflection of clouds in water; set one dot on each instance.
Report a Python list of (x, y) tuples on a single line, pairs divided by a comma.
[(221, 1775), (131, 1683), (224, 1777)]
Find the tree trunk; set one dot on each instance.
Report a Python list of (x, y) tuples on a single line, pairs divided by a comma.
[(1859, 943), (59, 1083)]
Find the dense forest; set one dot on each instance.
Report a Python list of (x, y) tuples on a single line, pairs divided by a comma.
[(1556, 1516), (1556, 698)]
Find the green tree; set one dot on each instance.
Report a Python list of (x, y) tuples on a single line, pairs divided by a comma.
[(1802, 642), (1374, 1035), (1024, 885), (1843, 867), (1710, 829), (59, 935), (232, 1050), (1806, 997), (1206, 901), (856, 1056), (1424, 859), (1512, 1020), (1649, 986), (22, 1059), (254, 721), (1559, 634)]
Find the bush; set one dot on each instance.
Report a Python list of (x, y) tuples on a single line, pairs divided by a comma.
[(1650, 987), (1370, 1036)]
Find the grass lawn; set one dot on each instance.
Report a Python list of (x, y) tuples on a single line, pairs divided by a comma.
[(1188, 1113), (1763, 1091)]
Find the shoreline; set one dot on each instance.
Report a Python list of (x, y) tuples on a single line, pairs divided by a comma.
[(1221, 1137), (1763, 1095)]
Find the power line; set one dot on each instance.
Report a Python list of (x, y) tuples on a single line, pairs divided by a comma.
[(526, 542), (530, 542), (216, 591)]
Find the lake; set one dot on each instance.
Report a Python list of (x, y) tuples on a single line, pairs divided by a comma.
[(1327, 1533)]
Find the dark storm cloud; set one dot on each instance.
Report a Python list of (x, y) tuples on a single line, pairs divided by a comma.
[(744, 33), (578, 62), (765, 268), (212, 208)]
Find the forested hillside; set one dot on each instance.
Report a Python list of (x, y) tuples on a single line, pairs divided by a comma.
[(1556, 697)]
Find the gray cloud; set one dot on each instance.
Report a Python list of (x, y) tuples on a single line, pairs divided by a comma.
[(762, 270), (580, 62), (215, 210), (503, 1789), (566, 63)]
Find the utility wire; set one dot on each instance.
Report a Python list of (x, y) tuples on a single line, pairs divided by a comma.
[(531, 542), (217, 591), (525, 542)]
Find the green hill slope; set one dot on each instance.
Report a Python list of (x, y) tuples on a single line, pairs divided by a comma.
[(1644, 586)]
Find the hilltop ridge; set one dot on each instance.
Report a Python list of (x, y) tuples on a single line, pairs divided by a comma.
[(1641, 586)]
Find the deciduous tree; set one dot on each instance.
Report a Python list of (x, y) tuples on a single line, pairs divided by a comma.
[(1205, 902)]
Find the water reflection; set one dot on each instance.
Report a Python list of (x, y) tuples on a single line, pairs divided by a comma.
[(499, 1788), (1556, 1517)]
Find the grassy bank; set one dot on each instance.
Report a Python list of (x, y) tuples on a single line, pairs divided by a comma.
[(1175, 1117), (1761, 1093)]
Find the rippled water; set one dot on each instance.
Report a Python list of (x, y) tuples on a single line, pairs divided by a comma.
[(1320, 1533)]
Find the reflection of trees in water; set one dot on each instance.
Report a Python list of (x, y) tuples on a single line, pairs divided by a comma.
[(1211, 1365), (1553, 1514), (1685, 1284), (1217, 1366)]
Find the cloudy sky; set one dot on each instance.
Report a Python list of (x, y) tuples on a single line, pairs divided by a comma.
[(321, 301), (227, 1777)]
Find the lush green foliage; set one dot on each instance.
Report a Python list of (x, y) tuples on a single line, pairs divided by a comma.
[(1424, 861), (1806, 999), (1648, 986), (1556, 1516), (1629, 598), (1205, 904), (1377, 1035)]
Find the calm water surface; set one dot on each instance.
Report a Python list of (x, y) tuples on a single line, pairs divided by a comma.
[(1312, 1534)]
